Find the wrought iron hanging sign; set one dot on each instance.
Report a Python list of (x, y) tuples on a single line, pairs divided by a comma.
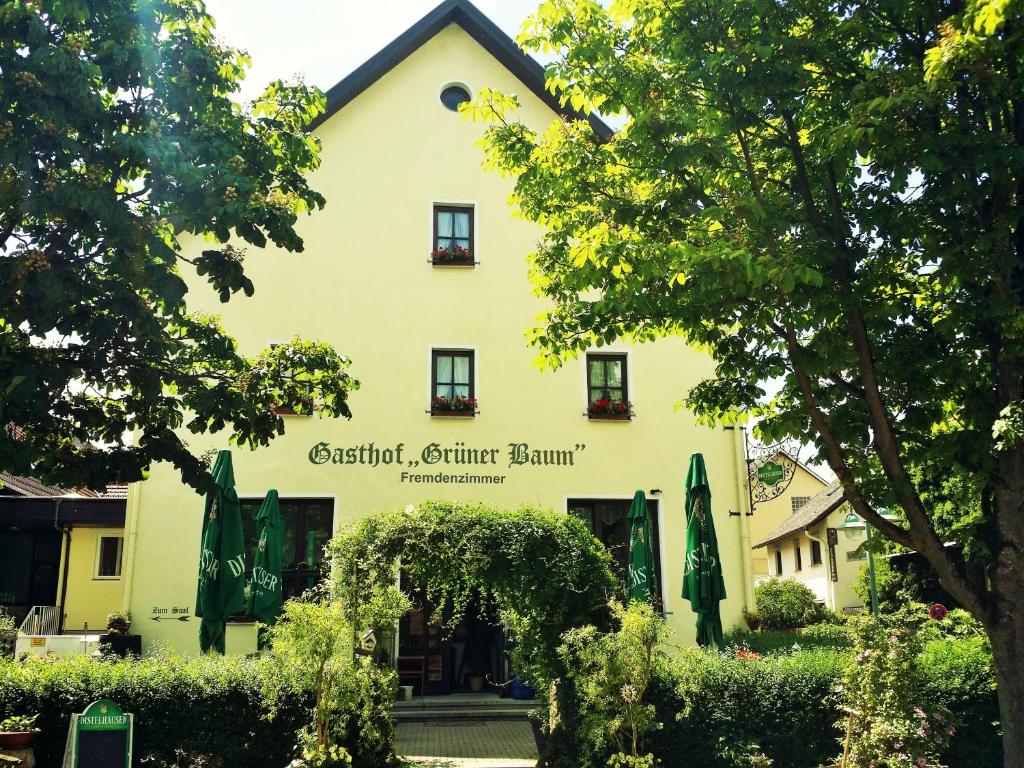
[(770, 468)]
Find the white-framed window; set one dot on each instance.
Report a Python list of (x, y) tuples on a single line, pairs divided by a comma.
[(109, 555), (796, 502)]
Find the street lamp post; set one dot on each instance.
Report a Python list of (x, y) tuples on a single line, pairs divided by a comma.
[(872, 585)]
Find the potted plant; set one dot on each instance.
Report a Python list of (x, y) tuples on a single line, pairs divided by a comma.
[(454, 255), (17, 732), (753, 619), (117, 640), (613, 410), (453, 406), (119, 622)]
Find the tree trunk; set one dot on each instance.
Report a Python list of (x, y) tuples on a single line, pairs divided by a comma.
[(1008, 654), (1006, 629)]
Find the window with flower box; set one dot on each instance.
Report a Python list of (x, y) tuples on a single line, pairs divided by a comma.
[(607, 390), (453, 235), (452, 387)]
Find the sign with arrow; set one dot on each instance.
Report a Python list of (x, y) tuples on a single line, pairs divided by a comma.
[(171, 614)]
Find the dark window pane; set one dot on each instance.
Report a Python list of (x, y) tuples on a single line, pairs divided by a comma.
[(110, 556), (607, 520)]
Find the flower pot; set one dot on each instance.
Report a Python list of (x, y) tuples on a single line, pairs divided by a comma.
[(476, 683), (522, 691), (753, 624), (16, 739), (459, 414), (609, 416)]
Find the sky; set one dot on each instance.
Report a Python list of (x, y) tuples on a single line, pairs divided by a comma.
[(324, 40)]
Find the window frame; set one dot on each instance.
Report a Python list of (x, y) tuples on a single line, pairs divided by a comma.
[(436, 352), (287, 574), (794, 507), (453, 208), (654, 508), (605, 358), (96, 575), (816, 554), (798, 556)]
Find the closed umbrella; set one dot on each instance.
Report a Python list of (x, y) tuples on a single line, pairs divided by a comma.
[(265, 589), (221, 591), (640, 579), (703, 584)]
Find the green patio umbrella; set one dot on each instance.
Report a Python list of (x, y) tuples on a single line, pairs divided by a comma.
[(640, 580), (221, 591), (265, 592), (703, 584)]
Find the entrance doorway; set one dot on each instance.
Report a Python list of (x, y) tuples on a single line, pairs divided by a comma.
[(435, 658)]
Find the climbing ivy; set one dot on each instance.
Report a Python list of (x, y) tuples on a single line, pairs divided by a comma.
[(544, 571)]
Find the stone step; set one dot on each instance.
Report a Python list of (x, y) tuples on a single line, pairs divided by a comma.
[(463, 707)]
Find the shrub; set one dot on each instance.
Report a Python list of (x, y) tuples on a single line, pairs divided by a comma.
[(312, 649), (727, 711), (884, 690), (8, 634), (958, 675), (611, 673), (786, 604), (789, 640), (827, 636), (722, 711), (208, 710)]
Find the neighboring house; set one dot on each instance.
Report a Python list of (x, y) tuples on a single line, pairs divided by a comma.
[(817, 547), (401, 171), (62, 551), (769, 515)]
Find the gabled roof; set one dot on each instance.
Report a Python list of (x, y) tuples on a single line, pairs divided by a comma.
[(480, 28), (17, 485), (817, 508)]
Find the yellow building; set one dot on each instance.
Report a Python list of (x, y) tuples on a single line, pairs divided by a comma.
[(768, 515), (62, 554), (402, 175), (817, 547)]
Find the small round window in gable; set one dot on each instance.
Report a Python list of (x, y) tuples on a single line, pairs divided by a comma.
[(453, 95)]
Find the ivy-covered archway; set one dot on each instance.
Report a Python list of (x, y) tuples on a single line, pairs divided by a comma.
[(544, 571)]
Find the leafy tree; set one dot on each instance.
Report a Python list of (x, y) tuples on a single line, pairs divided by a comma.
[(826, 195), (119, 132)]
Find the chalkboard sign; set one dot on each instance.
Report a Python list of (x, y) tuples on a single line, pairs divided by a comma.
[(100, 737)]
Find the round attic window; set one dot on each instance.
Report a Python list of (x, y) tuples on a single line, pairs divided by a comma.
[(453, 95)]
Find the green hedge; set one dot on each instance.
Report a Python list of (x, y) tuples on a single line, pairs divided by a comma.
[(207, 711), (828, 636), (960, 677), (718, 709)]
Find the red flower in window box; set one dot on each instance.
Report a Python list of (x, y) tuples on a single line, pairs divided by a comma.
[(454, 255), (607, 408), (456, 406)]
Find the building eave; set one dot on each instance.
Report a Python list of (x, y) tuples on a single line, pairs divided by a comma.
[(817, 509), (477, 26)]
